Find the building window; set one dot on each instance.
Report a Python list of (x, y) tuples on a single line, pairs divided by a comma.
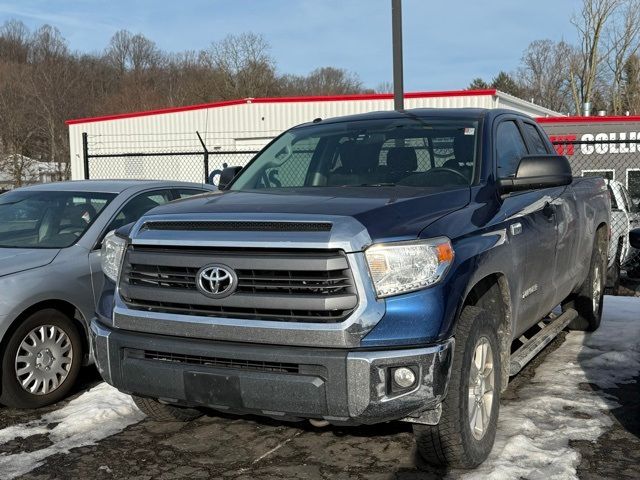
[(633, 184), (604, 173)]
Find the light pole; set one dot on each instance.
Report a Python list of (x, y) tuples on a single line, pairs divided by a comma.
[(398, 75)]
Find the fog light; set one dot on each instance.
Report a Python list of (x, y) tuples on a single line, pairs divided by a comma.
[(404, 377)]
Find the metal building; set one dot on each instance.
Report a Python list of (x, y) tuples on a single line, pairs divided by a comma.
[(191, 143)]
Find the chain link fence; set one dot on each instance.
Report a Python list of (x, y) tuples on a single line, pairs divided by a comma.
[(180, 157), (618, 162)]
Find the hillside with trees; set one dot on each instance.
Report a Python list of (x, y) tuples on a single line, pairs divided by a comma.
[(43, 83)]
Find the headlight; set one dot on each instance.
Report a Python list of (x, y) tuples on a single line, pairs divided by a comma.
[(406, 266), (111, 255)]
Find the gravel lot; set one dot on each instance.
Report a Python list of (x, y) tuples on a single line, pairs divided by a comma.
[(250, 447)]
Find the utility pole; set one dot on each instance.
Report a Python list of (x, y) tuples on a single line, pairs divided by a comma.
[(398, 75)]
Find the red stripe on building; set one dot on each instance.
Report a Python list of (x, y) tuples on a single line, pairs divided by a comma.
[(332, 98), (618, 119)]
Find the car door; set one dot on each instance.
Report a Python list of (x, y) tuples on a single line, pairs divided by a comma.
[(566, 268), (531, 227), (131, 211)]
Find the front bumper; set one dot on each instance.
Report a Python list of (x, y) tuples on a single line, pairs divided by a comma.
[(289, 383)]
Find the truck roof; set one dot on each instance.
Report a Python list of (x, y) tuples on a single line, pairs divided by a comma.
[(449, 113)]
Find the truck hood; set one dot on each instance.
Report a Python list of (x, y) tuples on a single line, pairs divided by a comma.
[(386, 212), (14, 260)]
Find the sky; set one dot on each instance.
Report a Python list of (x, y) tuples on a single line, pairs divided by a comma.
[(446, 43)]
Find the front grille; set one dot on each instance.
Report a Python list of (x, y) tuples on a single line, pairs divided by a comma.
[(238, 364), (250, 281), (246, 226), (312, 286)]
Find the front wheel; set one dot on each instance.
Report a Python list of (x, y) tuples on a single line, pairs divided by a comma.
[(41, 361), (465, 434)]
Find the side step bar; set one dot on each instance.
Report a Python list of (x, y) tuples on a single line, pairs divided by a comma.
[(532, 346)]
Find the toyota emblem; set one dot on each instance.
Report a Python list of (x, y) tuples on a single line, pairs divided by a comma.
[(216, 281)]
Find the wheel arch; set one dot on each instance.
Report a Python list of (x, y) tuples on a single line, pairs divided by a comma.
[(64, 306), (492, 294)]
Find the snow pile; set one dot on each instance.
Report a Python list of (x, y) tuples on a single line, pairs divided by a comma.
[(534, 431), (94, 415)]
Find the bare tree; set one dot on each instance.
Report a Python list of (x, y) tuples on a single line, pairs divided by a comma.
[(631, 85), (246, 69), (622, 40), (590, 23), (144, 53), (119, 50), (544, 74), (48, 45), (384, 87), (14, 42)]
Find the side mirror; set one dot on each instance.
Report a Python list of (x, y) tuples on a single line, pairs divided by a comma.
[(634, 238), (227, 175), (538, 171)]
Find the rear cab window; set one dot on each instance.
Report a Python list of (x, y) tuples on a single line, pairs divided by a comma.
[(536, 142)]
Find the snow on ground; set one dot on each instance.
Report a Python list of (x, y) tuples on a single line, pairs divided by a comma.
[(94, 415), (534, 431)]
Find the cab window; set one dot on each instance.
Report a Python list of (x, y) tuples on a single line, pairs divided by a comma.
[(510, 148)]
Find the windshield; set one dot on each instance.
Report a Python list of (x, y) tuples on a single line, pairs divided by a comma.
[(409, 151), (40, 219)]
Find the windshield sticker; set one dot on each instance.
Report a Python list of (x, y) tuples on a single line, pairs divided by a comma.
[(469, 131)]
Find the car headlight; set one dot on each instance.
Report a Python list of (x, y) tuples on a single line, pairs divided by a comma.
[(406, 266), (113, 248)]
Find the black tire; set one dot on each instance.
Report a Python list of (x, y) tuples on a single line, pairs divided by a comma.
[(451, 443), (587, 302), (13, 394), (613, 280), (161, 412)]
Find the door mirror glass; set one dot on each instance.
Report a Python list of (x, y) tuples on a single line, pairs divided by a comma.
[(634, 238), (538, 171)]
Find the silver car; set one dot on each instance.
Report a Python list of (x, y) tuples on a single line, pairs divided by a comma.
[(50, 276)]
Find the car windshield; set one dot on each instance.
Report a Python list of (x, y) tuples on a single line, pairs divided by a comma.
[(407, 151), (47, 219)]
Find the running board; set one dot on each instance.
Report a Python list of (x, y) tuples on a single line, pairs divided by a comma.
[(532, 346)]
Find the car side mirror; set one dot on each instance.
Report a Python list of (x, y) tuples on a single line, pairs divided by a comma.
[(227, 175), (538, 171), (634, 238)]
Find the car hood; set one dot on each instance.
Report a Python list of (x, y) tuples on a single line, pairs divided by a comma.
[(386, 212), (14, 260)]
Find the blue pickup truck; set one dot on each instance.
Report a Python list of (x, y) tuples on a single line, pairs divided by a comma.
[(363, 269)]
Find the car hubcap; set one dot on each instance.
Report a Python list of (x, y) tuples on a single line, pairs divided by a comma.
[(597, 289), (43, 360), (481, 384)]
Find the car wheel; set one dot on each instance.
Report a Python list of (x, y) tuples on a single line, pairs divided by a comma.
[(588, 301), (161, 412), (465, 434), (41, 361)]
